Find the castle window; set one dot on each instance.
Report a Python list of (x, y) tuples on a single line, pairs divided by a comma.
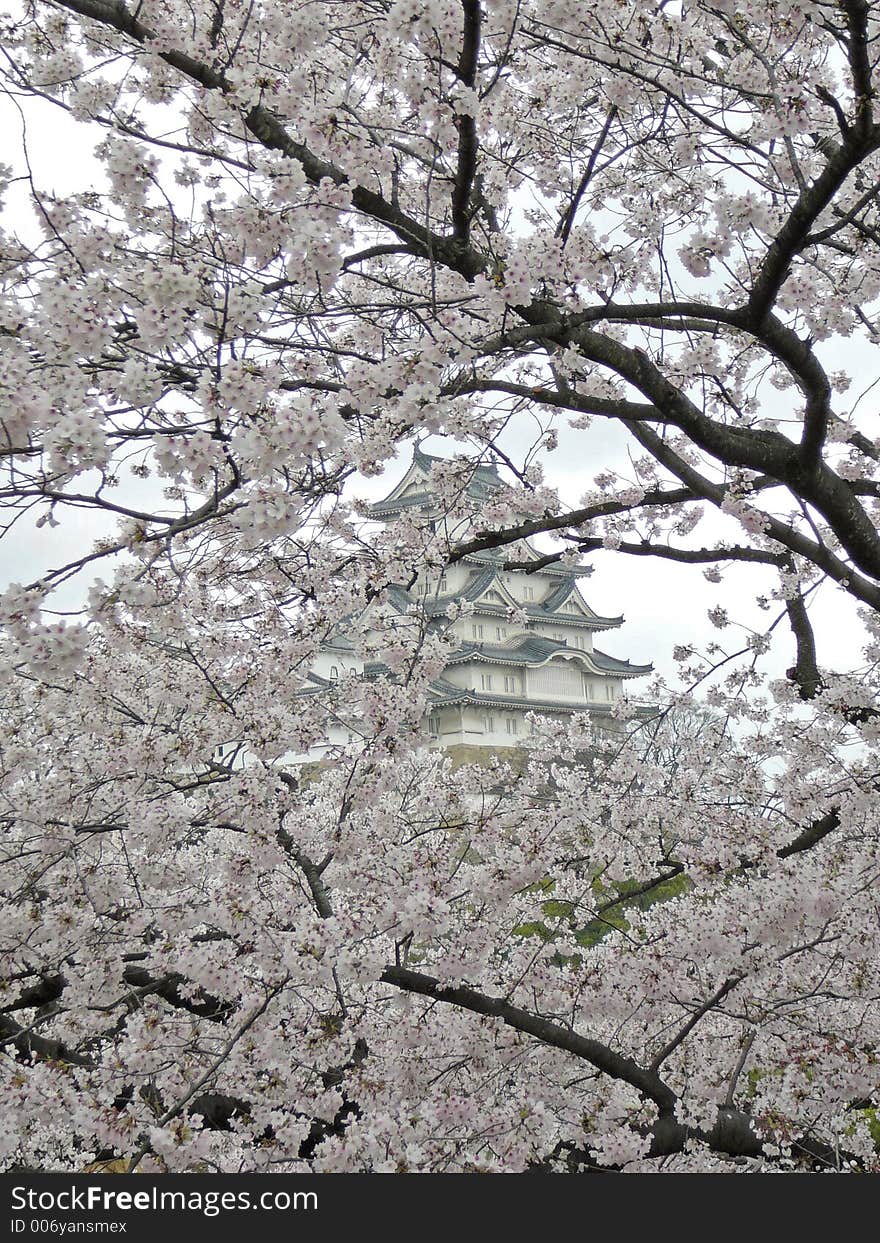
[(510, 684), (334, 673), (512, 725), (477, 631), (434, 726), (500, 632), (488, 724), (486, 681), (529, 593)]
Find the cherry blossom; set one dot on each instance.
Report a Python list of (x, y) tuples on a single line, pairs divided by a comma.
[(253, 918)]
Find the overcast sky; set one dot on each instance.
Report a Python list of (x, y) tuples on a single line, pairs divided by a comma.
[(664, 604)]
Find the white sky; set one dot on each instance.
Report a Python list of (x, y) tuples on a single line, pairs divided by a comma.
[(664, 604)]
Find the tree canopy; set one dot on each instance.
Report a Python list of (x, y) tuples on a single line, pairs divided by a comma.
[(321, 231)]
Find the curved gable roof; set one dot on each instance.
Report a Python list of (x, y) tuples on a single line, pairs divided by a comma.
[(414, 489), (531, 650)]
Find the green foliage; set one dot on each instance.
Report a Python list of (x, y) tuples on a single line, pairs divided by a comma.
[(616, 918), (872, 1117)]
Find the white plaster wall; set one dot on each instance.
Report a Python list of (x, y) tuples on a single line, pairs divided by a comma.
[(559, 679), (429, 583), (519, 584), (580, 640), (495, 726), (459, 675)]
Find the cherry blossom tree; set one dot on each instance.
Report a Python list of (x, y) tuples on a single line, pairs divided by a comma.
[(319, 232)]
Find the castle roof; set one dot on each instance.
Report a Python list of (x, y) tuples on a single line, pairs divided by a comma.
[(611, 664), (487, 590), (535, 650), (414, 489), (546, 610), (446, 695), (413, 492), (442, 693), (485, 475), (498, 556)]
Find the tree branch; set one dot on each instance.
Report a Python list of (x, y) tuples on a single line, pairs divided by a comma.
[(720, 993), (466, 72), (547, 1032), (269, 130), (28, 1044)]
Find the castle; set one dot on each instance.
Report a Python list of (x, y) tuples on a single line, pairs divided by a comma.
[(524, 644)]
